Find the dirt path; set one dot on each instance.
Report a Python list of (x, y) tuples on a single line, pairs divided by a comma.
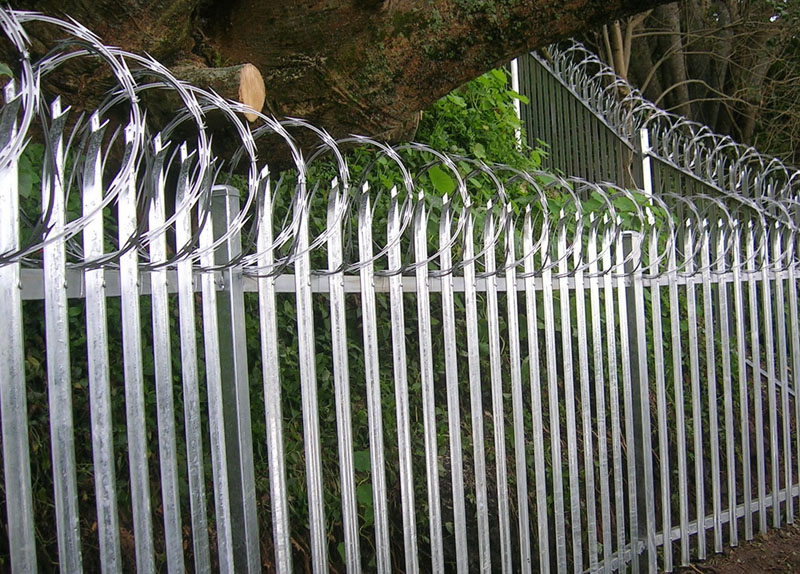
[(776, 552)]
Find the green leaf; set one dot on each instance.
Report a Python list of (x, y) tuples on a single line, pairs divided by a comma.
[(624, 204), (441, 180), (499, 75), (478, 150), (361, 460), (5, 70), (457, 100), (518, 96), (364, 494), (25, 183)]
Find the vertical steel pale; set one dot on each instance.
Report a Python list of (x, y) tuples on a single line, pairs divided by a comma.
[(59, 380), (711, 382), (371, 374), (569, 395), (162, 362), (476, 393), (189, 371), (308, 384), (600, 396), (515, 367), (400, 365), (341, 375), (132, 364), (452, 383), (540, 478), (496, 381), (727, 383), (13, 400), (273, 413), (694, 371), (426, 378), (97, 356)]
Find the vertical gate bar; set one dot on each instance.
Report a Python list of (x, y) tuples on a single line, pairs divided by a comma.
[(597, 157), (783, 369), (550, 123), (426, 379), (451, 377), (694, 366), (162, 361), (578, 161), (795, 339), (661, 399), (373, 384), (216, 420), (341, 377), (308, 385), (644, 463), (586, 400), (191, 389), (755, 354), (539, 84), (569, 396), (13, 398), (600, 401), (97, 357), (134, 382), (566, 107), (496, 378), (727, 383), (613, 389), (769, 355), (624, 247), (553, 402), (273, 412), (476, 393), (543, 536), (516, 394), (557, 142), (537, 130), (744, 406), (401, 385), (59, 380), (711, 382), (680, 414), (235, 383)]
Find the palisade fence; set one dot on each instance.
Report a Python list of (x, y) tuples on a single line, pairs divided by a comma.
[(337, 368)]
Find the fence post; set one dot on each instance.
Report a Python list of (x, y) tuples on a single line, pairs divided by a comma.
[(633, 243), (235, 384)]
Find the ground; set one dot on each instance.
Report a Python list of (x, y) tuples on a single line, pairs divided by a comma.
[(778, 551)]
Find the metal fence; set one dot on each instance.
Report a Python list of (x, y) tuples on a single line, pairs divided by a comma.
[(338, 369), (595, 126)]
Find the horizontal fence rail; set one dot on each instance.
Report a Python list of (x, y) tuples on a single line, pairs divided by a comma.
[(214, 367)]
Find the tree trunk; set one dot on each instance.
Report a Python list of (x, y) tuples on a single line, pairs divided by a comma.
[(349, 66)]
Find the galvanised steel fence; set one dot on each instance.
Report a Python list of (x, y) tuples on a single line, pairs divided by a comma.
[(595, 125), (210, 367)]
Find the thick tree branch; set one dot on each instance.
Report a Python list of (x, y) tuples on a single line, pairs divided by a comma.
[(365, 66)]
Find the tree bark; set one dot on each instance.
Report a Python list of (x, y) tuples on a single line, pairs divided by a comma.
[(349, 66)]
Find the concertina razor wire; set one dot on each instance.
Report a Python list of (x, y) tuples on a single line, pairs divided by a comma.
[(89, 144)]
